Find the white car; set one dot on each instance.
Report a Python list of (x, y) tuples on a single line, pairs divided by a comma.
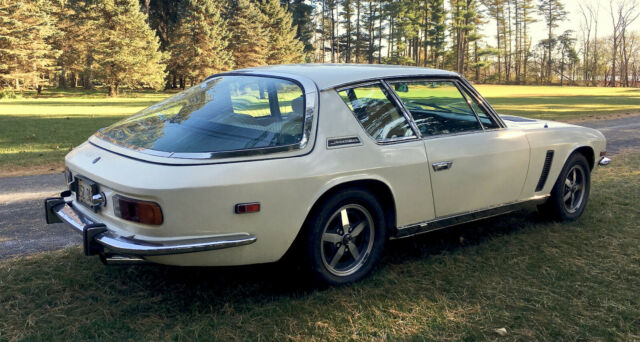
[(332, 159)]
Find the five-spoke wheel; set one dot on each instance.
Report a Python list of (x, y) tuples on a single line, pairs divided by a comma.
[(574, 189), (570, 193), (345, 237)]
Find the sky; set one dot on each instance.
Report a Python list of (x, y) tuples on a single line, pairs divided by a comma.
[(574, 18)]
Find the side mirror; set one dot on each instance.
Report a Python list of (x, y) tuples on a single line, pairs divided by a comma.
[(401, 87)]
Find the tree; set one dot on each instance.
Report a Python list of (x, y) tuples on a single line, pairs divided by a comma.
[(568, 54), (283, 47), (249, 39), (26, 53), (128, 51), (347, 22), (199, 44), (436, 32), (302, 20), (553, 12), (623, 15), (496, 12), (463, 23)]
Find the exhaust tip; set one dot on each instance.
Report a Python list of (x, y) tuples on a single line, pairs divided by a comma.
[(114, 259)]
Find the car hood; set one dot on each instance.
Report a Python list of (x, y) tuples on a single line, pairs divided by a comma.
[(528, 123)]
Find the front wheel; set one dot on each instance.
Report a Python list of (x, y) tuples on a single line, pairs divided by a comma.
[(571, 191), (345, 237)]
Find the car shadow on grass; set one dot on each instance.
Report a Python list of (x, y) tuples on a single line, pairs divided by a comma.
[(220, 286)]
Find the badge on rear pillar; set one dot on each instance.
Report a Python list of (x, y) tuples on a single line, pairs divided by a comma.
[(343, 142)]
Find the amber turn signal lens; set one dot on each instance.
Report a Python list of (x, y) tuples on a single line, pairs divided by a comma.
[(144, 212)]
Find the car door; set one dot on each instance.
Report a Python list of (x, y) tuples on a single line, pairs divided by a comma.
[(474, 163)]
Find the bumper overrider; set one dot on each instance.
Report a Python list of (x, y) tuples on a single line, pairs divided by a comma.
[(98, 239)]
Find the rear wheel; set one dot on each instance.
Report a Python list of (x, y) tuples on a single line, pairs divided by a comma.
[(570, 193), (345, 237)]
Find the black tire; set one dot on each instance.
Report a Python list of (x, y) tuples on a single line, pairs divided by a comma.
[(366, 231), (569, 195)]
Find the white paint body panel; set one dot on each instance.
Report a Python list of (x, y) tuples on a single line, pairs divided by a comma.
[(489, 168)]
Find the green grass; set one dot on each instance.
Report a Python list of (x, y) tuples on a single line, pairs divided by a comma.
[(539, 280), (561, 103), (40, 131)]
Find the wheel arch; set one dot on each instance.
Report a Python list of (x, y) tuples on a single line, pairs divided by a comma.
[(379, 188), (587, 151)]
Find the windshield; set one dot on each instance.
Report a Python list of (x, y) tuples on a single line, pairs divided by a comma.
[(225, 113)]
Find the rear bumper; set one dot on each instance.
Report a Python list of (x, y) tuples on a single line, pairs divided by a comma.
[(98, 239), (604, 161)]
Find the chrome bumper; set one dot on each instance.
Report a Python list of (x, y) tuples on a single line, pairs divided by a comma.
[(98, 239), (604, 161)]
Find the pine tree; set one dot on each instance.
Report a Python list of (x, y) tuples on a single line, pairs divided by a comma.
[(26, 54), (283, 47), (436, 31), (302, 20), (199, 43), (75, 41), (127, 53), (249, 36), (347, 24), (553, 12)]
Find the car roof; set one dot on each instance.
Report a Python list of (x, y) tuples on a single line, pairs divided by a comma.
[(328, 76)]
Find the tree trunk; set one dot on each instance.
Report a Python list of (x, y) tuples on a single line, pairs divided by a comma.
[(62, 80)]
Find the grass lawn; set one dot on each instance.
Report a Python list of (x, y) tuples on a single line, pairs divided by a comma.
[(36, 133), (539, 280), (561, 103)]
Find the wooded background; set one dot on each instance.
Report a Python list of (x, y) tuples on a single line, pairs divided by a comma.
[(177, 43)]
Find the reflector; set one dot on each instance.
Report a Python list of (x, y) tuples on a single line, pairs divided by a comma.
[(243, 208)]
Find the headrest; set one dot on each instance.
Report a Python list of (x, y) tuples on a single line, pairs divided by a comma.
[(297, 105)]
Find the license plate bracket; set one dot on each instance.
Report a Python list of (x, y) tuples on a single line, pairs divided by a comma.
[(85, 190)]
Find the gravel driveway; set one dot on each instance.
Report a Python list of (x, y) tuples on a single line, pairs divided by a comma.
[(24, 231)]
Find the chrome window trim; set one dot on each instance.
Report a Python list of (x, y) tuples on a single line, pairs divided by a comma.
[(310, 93), (482, 102), (393, 100), (469, 104), (405, 112)]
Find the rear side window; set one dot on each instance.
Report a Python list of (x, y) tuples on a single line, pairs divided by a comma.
[(376, 112), (437, 107), (226, 113)]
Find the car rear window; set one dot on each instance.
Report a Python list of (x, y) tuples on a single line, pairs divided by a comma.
[(225, 113)]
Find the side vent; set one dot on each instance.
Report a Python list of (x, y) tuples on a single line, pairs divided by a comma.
[(545, 170)]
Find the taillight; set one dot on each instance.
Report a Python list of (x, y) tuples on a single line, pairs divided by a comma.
[(130, 209)]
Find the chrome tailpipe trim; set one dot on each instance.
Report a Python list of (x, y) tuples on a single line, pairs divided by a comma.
[(115, 259)]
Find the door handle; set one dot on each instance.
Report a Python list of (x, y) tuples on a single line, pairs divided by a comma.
[(439, 166)]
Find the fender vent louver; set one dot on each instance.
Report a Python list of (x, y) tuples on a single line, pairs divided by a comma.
[(545, 170)]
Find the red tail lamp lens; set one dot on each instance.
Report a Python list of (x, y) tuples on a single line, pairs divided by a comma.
[(144, 212), (244, 208)]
